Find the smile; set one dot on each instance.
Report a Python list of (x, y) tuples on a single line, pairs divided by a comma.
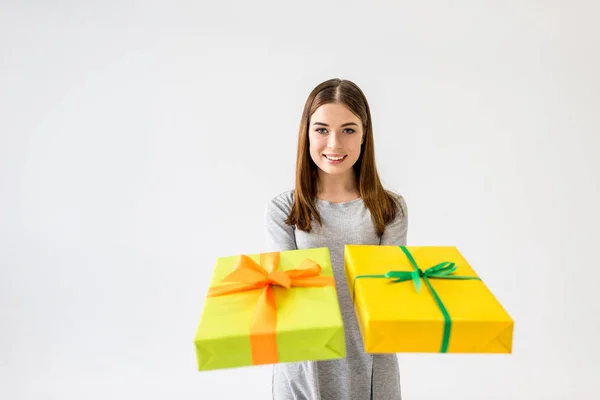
[(334, 159)]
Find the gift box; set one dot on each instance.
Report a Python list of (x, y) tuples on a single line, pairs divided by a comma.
[(423, 299), (270, 308)]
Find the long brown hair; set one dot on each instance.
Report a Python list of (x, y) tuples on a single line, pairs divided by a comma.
[(382, 205)]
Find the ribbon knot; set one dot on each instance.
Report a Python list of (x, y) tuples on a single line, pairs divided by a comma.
[(280, 279), (249, 275)]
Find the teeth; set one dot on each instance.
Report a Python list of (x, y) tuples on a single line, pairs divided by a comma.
[(334, 158)]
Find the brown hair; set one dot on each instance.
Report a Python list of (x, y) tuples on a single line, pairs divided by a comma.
[(382, 205)]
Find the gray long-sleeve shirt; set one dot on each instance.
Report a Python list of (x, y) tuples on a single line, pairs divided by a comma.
[(349, 378)]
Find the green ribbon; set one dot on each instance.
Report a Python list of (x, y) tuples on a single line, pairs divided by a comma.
[(442, 270)]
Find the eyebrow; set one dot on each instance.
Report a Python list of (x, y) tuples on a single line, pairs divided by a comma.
[(343, 125)]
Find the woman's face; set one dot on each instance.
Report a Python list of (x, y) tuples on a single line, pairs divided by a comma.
[(335, 136)]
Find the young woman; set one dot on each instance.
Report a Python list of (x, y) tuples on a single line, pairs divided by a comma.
[(338, 199)]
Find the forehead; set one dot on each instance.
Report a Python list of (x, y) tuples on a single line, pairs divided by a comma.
[(334, 113)]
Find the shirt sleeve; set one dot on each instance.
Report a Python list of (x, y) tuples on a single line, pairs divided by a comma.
[(396, 231), (279, 235)]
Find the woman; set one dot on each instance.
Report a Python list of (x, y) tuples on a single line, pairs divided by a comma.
[(338, 199)]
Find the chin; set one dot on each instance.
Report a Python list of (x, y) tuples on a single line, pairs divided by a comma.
[(333, 170)]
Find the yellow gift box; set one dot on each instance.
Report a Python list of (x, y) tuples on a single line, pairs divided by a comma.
[(423, 299)]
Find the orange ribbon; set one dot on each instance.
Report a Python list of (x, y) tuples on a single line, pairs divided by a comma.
[(249, 275)]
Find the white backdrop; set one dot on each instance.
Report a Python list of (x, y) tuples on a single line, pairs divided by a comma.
[(139, 141)]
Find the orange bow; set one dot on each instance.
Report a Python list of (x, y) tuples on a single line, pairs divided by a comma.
[(249, 275)]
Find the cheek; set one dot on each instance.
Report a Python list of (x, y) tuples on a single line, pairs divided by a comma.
[(356, 147), (313, 149), (315, 144)]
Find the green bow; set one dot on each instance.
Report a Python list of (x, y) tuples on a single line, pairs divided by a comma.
[(442, 270)]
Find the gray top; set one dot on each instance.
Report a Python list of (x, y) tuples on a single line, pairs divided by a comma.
[(349, 378)]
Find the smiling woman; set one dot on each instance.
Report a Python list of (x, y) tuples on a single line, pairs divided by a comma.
[(336, 121), (338, 199)]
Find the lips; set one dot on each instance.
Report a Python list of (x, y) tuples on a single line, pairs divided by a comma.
[(334, 157)]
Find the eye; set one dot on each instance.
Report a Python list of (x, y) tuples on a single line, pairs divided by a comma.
[(350, 130), (320, 130)]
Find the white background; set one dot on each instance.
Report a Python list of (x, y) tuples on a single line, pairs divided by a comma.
[(140, 141)]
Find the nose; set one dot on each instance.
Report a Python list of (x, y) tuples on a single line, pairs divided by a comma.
[(333, 140)]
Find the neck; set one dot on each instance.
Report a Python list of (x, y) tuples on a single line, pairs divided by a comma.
[(337, 187)]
